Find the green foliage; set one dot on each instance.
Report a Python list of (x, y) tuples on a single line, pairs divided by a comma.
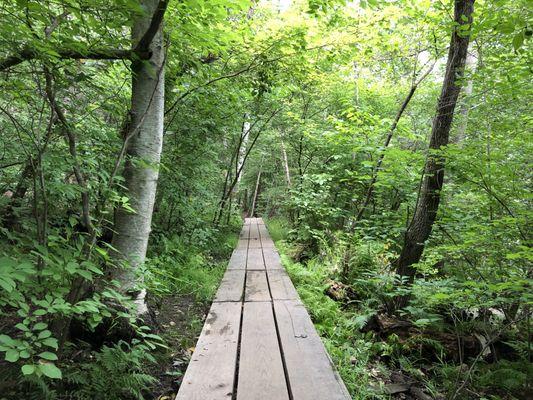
[(116, 372), (277, 228), (179, 267)]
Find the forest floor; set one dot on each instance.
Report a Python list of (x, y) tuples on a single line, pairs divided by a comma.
[(180, 318)]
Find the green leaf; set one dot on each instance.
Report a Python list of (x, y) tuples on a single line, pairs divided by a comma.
[(48, 356), (50, 342), (50, 370), (44, 334), (22, 327), (86, 274), (12, 355), (28, 369), (24, 354), (518, 40), (39, 326), (6, 340), (8, 284)]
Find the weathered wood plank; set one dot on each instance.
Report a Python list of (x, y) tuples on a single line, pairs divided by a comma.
[(263, 231), (254, 243), (256, 288), (242, 244), (254, 231), (268, 244), (238, 259), (281, 287), (211, 372), (232, 285), (261, 375), (309, 368), (255, 259), (245, 232), (272, 259)]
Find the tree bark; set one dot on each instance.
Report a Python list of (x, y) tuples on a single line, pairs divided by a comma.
[(256, 191), (143, 153), (285, 163), (427, 206)]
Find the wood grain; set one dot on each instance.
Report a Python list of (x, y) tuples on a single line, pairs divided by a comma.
[(261, 375), (281, 286), (272, 259), (215, 356), (254, 244), (232, 286), (255, 259), (254, 233), (238, 259), (256, 286), (242, 244), (310, 370)]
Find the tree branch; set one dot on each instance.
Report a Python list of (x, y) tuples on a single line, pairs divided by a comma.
[(98, 54), (157, 19)]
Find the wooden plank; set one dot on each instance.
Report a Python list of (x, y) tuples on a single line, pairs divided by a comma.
[(232, 286), (242, 244), (310, 371), (254, 243), (256, 286), (263, 232), (254, 232), (255, 259), (281, 286), (261, 375), (238, 259), (272, 259), (211, 372), (267, 243), (245, 232)]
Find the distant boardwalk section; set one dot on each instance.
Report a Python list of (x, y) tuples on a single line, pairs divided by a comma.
[(258, 342)]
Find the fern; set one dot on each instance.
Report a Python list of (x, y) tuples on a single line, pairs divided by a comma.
[(117, 372)]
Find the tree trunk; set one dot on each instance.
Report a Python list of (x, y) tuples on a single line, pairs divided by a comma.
[(252, 211), (429, 197), (143, 154), (285, 163)]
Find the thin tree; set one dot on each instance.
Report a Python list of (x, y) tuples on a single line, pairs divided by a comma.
[(415, 84), (427, 206)]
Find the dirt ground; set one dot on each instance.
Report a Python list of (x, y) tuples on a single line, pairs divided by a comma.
[(180, 320)]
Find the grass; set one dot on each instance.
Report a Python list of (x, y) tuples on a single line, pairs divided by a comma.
[(278, 228)]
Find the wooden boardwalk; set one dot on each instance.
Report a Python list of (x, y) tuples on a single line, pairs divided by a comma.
[(258, 342)]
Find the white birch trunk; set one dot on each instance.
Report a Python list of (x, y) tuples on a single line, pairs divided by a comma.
[(255, 192), (142, 158), (242, 150), (285, 163)]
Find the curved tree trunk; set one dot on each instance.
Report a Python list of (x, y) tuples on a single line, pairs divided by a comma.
[(429, 198), (141, 171)]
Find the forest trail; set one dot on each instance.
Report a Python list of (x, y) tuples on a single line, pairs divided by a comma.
[(258, 341)]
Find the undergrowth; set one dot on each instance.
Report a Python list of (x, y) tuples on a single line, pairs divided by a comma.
[(181, 277), (422, 348)]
